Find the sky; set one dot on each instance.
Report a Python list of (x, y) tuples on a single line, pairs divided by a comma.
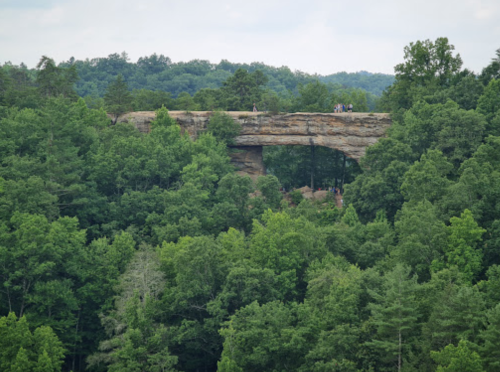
[(314, 36)]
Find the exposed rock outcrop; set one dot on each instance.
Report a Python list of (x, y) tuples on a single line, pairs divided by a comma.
[(248, 161), (349, 133)]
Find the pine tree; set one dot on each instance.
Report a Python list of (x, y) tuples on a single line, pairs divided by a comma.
[(490, 350), (457, 314), (118, 99), (395, 314)]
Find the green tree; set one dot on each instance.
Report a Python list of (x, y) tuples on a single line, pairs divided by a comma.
[(491, 287), (118, 99), (379, 186), (22, 350), (492, 71), (209, 99), (264, 338), (428, 66), (395, 315), (22, 363), (163, 119), (427, 179), (445, 127), (233, 207), (5, 85), (269, 186), (44, 363), (243, 89), (457, 359), (458, 313), (35, 251), (148, 100), (136, 340), (490, 336), (313, 97), (463, 236), (245, 284), (286, 245), (333, 304), (53, 81), (421, 237), (223, 127), (197, 268), (185, 102), (465, 91), (489, 105)]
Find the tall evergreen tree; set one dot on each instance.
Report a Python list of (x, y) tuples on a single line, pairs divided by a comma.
[(118, 99), (490, 350), (395, 315)]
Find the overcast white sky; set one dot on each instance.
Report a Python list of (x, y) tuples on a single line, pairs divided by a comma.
[(314, 36)]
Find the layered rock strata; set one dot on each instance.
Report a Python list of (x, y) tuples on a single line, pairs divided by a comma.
[(350, 133)]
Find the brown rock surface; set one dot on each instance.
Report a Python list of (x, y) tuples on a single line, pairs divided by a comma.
[(350, 133), (248, 161)]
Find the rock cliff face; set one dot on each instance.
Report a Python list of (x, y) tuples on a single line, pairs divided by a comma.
[(349, 133), (248, 161)]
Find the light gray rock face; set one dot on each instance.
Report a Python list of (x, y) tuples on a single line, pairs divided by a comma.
[(350, 133), (248, 161)]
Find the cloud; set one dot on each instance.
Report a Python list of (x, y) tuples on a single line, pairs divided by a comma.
[(313, 36)]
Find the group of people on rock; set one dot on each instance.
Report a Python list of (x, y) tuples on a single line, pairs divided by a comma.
[(340, 107), (335, 190)]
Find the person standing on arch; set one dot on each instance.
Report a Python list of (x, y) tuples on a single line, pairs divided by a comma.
[(254, 108)]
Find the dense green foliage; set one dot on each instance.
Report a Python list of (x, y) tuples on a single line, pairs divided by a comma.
[(196, 85), (318, 167), (125, 251), (159, 73)]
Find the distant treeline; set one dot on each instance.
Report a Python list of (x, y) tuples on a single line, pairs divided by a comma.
[(159, 73), (155, 81)]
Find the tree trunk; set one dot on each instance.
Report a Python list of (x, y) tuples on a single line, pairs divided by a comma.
[(312, 167), (343, 175), (399, 352), (75, 340)]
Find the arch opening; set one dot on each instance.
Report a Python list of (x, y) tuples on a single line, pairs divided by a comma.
[(315, 166)]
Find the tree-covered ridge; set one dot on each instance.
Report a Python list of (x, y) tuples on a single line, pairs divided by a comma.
[(374, 83), (156, 80), (159, 73), (237, 92), (125, 251)]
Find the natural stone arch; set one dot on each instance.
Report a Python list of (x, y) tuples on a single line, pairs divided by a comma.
[(350, 133)]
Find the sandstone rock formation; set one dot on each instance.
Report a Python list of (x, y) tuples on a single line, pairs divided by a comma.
[(349, 133), (248, 161)]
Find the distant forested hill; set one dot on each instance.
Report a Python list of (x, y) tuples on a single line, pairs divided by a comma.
[(159, 73), (373, 83)]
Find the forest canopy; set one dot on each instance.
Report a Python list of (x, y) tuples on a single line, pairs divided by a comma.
[(155, 81), (129, 251)]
